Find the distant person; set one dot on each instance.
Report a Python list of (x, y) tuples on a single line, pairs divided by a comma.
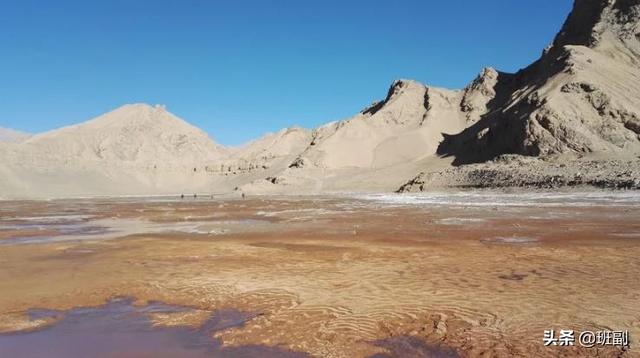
[(182, 196), (243, 196), (195, 196)]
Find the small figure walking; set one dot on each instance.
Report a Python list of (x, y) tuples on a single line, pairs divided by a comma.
[(181, 196), (243, 196), (195, 196)]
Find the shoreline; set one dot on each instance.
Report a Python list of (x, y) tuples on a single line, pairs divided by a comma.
[(202, 197)]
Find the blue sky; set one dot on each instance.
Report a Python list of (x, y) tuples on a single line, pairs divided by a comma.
[(240, 68)]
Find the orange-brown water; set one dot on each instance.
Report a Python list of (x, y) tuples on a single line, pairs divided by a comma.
[(468, 275)]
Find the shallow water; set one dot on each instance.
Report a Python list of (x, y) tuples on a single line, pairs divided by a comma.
[(57, 228), (498, 198), (513, 240), (118, 329)]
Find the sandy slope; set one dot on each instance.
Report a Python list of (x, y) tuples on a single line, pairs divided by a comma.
[(406, 126)]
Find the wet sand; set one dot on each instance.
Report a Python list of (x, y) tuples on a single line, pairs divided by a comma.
[(340, 277)]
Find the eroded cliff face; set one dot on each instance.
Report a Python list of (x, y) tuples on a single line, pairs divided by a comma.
[(598, 23), (582, 96)]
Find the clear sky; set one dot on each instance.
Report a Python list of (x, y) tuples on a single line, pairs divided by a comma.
[(240, 68)]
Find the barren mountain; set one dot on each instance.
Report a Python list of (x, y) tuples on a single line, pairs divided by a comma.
[(273, 149), (575, 110), (379, 148), (404, 127), (136, 134), (135, 149), (581, 96)]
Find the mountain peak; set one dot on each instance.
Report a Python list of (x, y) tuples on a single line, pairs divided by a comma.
[(401, 85), (140, 108), (138, 133), (134, 115), (593, 21), (580, 97), (485, 80), (397, 89)]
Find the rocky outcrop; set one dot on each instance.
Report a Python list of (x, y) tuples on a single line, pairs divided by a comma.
[(485, 93), (602, 24), (527, 172)]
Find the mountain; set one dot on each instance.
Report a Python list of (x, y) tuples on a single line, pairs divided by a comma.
[(12, 136), (273, 147), (570, 118), (135, 149), (377, 149), (136, 134), (406, 126), (582, 96)]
